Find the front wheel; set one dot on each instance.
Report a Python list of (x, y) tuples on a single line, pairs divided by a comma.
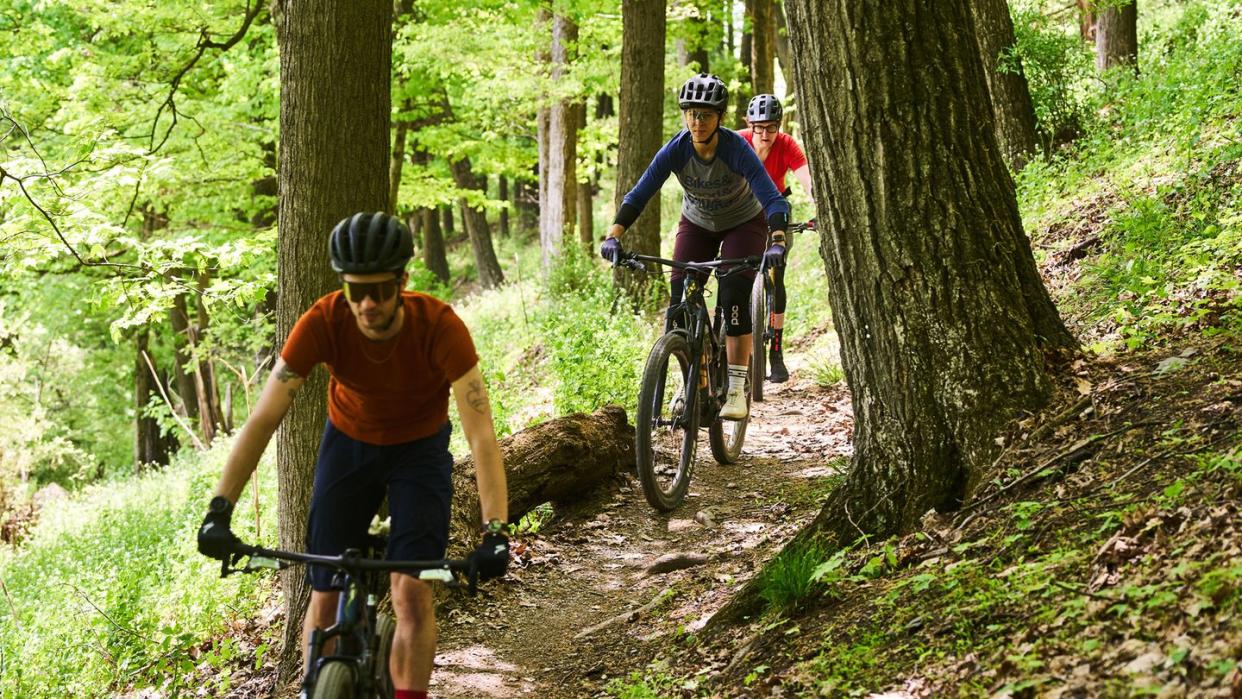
[(334, 681), (385, 627), (758, 336), (667, 423)]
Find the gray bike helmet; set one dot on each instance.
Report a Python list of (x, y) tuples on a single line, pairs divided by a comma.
[(764, 108), (704, 90), (368, 243)]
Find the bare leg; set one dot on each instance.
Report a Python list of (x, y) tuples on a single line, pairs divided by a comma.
[(319, 615), (738, 350), (414, 644), (778, 321)]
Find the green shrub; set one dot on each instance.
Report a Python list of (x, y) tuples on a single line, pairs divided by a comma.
[(1058, 69), (109, 593), (793, 573)]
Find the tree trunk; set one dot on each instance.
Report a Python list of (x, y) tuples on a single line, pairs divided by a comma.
[(502, 191), (640, 125), (433, 245), (555, 461), (1116, 36), (178, 317), (150, 447), (558, 217), (1086, 20), (210, 416), (1012, 110), (692, 50), (543, 119), (446, 222), (783, 54), (742, 98), (526, 200), (932, 283), (763, 48), (394, 167), (335, 68), (585, 191), (476, 226)]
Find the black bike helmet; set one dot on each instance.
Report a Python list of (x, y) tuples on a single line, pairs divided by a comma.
[(764, 108), (369, 244), (704, 90)]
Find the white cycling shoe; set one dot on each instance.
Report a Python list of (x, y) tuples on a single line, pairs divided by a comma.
[(735, 407)]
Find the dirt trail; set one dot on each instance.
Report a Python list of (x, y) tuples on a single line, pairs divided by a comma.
[(590, 564)]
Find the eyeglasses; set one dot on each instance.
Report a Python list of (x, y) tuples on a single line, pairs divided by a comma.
[(770, 128), (379, 291), (696, 115)]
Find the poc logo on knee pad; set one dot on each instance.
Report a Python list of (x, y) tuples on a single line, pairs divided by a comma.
[(733, 318)]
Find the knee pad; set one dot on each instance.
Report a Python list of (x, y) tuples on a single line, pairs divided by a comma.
[(735, 303)]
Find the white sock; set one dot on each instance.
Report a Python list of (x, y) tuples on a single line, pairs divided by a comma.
[(737, 376)]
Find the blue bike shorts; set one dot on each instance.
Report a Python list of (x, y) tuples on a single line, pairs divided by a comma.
[(351, 479)]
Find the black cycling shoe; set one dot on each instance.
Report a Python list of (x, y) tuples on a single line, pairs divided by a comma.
[(776, 360)]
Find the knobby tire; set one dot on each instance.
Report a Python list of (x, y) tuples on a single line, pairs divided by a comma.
[(335, 681), (666, 450)]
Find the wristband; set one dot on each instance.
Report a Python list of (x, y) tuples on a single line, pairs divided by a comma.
[(494, 526)]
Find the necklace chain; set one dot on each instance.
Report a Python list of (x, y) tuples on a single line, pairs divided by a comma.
[(391, 352)]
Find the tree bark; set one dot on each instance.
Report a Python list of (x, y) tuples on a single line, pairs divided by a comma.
[(178, 317), (1116, 36), (150, 447), (502, 191), (783, 54), (555, 461), (446, 222), (476, 226), (395, 166), (763, 48), (640, 124), (433, 246), (1086, 20), (558, 218), (745, 50), (1012, 110), (585, 191), (210, 417), (543, 118), (931, 279), (335, 68)]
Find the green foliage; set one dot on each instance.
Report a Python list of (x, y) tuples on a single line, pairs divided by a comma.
[(794, 572), (1058, 66), (827, 372), (110, 593), (1157, 169)]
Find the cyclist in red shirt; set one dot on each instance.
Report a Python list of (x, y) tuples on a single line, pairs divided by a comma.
[(780, 155), (393, 357)]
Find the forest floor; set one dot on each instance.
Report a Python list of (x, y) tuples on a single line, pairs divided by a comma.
[(590, 566)]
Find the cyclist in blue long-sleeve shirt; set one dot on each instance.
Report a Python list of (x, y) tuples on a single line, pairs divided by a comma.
[(729, 208)]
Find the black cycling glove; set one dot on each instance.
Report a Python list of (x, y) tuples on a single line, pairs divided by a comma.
[(215, 539)]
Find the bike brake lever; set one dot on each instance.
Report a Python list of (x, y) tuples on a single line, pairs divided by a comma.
[(635, 265)]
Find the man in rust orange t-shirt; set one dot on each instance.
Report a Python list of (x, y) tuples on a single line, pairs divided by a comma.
[(393, 357)]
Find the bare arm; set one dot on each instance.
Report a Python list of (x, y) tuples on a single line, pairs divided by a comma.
[(282, 385), (475, 412), (804, 178)]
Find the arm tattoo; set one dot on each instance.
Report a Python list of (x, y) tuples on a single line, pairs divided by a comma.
[(477, 398), (284, 373)]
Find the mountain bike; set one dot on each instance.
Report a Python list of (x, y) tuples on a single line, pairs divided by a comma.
[(684, 384), (358, 667), (761, 295)]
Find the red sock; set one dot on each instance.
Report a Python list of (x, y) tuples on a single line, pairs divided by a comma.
[(410, 694)]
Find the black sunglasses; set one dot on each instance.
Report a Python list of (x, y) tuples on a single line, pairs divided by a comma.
[(380, 291)]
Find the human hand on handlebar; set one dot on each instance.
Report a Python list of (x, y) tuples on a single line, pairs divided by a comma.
[(611, 250), (491, 558), (775, 256), (215, 538)]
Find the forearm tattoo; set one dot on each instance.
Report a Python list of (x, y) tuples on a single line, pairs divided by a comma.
[(477, 397)]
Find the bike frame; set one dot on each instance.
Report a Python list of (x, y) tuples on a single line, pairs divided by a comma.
[(355, 624), (700, 326)]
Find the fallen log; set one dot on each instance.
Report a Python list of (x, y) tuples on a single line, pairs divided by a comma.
[(555, 461)]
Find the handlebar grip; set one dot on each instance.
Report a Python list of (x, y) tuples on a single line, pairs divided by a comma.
[(635, 265)]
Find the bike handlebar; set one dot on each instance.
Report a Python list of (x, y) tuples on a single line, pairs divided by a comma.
[(634, 260), (259, 558)]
